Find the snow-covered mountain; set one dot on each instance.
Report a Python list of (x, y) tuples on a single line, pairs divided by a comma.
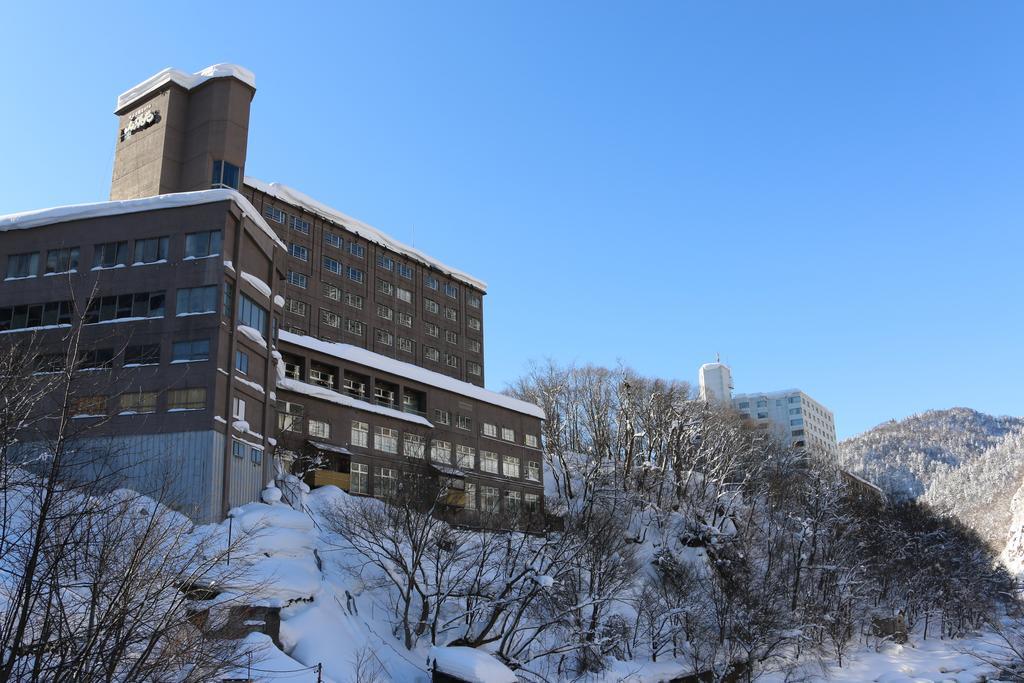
[(904, 456), (960, 461)]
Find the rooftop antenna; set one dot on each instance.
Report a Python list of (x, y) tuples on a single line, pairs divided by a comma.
[(718, 357)]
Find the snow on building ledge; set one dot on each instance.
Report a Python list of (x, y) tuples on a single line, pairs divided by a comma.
[(326, 394), (185, 80), (294, 197), (74, 212), (370, 359)]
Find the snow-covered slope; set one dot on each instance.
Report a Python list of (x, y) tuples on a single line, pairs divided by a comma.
[(959, 461), (904, 456)]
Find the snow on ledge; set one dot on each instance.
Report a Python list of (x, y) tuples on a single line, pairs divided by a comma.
[(292, 196), (252, 334), (74, 212), (410, 371), (326, 394), (258, 284), (185, 80)]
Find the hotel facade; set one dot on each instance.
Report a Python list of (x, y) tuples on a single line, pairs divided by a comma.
[(229, 325)]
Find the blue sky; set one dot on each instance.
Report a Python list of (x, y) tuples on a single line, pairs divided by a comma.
[(827, 194)]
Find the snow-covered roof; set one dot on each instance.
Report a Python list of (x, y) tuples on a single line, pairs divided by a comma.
[(317, 391), (863, 481), (329, 447), (187, 81), (413, 372), (448, 469), (73, 212), (296, 198), (471, 664)]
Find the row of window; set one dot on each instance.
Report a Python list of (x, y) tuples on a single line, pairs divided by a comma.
[(763, 402), (385, 485), (386, 338), (140, 403), (136, 306), (137, 355), (112, 254), (239, 449), (385, 312), (488, 429), (301, 280), (336, 241), (291, 418)]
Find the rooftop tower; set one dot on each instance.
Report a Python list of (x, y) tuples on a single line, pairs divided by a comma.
[(715, 383), (180, 132)]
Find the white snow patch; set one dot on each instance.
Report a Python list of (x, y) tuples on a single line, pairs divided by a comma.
[(257, 283), (74, 212), (185, 80), (471, 664), (253, 335), (251, 385)]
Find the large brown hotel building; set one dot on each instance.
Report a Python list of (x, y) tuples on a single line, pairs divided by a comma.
[(229, 324)]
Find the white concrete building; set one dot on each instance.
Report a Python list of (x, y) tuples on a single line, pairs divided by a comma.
[(793, 417), (715, 383)]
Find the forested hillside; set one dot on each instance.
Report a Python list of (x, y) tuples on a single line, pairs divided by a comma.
[(903, 457), (959, 461), (684, 543)]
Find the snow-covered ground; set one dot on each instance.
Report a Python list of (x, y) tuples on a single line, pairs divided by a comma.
[(919, 661), (330, 619)]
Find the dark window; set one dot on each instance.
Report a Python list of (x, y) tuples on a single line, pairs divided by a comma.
[(242, 362), (200, 244), (96, 359), (142, 354), (224, 175), (299, 225), (252, 314), (23, 265), (151, 250), (35, 315), (237, 449), (197, 300), (191, 350), (51, 362), (62, 260), (119, 306), (186, 399), (332, 265), (229, 299), (110, 254)]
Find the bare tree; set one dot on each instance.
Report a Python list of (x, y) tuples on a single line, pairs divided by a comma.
[(93, 580)]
